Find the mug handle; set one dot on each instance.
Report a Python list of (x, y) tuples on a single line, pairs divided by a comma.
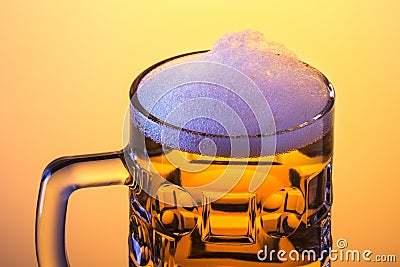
[(60, 178)]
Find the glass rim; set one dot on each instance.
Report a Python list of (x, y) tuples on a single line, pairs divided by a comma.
[(135, 102)]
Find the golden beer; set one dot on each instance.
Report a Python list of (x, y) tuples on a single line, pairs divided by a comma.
[(289, 211)]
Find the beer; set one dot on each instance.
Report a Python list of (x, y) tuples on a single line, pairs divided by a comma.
[(231, 230), (198, 200)]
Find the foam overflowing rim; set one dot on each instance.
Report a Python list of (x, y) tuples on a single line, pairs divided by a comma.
[(136, 104)]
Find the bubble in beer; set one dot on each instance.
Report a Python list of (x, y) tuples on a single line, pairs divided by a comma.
[(294, 92)]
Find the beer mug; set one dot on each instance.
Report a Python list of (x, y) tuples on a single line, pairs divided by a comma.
[(207, 189)]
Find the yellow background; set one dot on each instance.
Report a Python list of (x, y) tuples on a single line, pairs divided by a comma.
[(65, 71)]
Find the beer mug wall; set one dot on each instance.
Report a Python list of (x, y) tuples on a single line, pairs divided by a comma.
[(229, 160)]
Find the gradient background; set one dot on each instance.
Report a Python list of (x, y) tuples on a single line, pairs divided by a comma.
[(65, 71)]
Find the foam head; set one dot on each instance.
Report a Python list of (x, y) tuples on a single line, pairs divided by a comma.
[(244, 86)]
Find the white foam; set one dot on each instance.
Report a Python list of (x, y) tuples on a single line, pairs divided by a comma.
[(294, 92)]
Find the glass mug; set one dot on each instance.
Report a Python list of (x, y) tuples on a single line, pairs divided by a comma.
[(180, 215)]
